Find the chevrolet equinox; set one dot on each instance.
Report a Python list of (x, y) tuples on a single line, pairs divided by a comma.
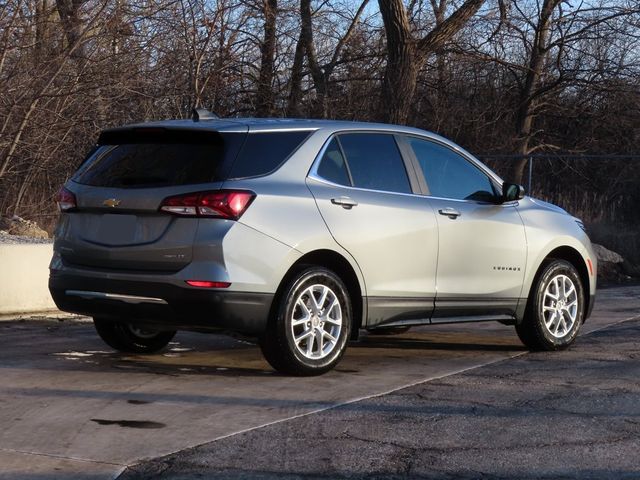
[(299, 233)]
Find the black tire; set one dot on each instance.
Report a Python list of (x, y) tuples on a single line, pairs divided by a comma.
[(534, 331), (388, 330), (278, 345), (129, 338)]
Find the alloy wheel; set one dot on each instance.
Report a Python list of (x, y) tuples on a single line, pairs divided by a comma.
[(560, 306), (316, 321)]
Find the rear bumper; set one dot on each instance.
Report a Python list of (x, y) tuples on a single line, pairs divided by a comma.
[(164, 305)]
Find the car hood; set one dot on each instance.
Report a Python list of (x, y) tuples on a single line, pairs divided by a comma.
[(547, 205)]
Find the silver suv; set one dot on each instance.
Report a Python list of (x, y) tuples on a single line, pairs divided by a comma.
[(300, 233)]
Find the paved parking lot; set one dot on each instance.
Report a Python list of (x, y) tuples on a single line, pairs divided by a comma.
[(71, 408), (532, 417)]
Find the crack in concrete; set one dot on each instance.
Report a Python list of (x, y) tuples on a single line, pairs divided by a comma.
[(62, 457)]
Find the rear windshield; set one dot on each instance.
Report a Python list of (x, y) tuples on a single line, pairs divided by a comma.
[(139, 159), (144, 159)]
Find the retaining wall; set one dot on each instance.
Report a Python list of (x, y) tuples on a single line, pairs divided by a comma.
[(24, 274)]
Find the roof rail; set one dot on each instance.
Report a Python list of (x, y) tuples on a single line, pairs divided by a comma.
[(202, 114)]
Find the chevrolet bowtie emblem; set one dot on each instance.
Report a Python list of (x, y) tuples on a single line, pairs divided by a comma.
[(111, 202)]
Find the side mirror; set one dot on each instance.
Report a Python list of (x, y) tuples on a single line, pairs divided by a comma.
[(512, 192)]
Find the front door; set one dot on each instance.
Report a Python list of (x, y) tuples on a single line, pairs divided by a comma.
[(482, 244)]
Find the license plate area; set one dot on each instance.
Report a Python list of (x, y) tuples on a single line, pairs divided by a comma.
[(117, 229)]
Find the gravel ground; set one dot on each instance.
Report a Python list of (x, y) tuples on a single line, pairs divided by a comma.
[(574, 414), (7, 239)]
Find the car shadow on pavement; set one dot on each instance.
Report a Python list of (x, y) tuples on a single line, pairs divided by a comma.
[(232, 362), (451, 342), (247, 361)]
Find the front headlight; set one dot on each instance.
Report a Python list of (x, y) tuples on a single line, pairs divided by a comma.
[(581, 225)]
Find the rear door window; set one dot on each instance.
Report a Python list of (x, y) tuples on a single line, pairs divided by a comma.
[(375, 162), (146, 159), (263, 152)]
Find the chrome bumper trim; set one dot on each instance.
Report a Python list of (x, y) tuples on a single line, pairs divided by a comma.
[(115, 296)]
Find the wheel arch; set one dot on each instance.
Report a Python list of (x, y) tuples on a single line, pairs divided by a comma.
[(343, 268), (572, 256)]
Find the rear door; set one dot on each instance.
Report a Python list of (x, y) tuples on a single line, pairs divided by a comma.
[(366, 197), (482, 245), (119, 189)]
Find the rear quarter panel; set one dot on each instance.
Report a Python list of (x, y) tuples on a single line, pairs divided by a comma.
[(284, 209)]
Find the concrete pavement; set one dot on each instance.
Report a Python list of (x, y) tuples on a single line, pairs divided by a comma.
[(72, 408)]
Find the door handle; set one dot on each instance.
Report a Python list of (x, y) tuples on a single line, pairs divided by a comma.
[(452, 213), (344, 202)]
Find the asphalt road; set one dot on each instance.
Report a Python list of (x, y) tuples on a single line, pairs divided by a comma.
[(536, 416), (436, 401)]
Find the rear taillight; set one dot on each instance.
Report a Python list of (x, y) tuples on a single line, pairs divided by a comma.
[(66, 200), (229, 204)]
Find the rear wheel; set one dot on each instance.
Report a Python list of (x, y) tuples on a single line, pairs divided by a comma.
[(309, 328), (131, 338), (555, 308)]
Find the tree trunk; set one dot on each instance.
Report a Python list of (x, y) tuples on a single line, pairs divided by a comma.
[(528, 100), (442, 79), (265, 103), (43, 31), (295, 92), (322, 75), (401, 72), (319, 78), (69, 11), (406, 55)]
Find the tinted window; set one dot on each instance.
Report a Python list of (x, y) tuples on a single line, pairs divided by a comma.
[(262, 153), (449, 175), (158, 160), (375, 162), (332, 166)]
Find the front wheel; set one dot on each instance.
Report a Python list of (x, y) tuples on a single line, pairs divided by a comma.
[(310, 324), (130, 338), (555, 308)]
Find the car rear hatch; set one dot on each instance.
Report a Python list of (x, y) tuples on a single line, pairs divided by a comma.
[(117, 222)]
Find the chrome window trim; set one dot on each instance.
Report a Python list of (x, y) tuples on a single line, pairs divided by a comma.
[(418, 195), (290, 129), (313, 171)]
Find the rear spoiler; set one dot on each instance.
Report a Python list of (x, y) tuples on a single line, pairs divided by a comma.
[(120, 136)]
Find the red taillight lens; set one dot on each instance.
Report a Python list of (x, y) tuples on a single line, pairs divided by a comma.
[(66, 200), (229, 204), (207, 284)]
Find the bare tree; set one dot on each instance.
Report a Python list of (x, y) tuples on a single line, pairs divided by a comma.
[(264, 103), (69, 11), (407, 54), (554, 60), (295, 90), (321, 74), (540, 76)]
